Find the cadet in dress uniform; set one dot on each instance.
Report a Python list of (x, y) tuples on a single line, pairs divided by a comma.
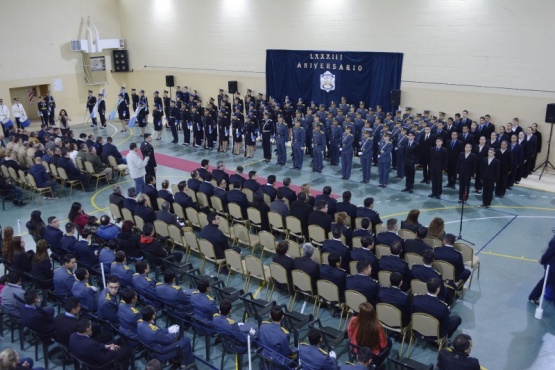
[(347, 153), (384, 160), (63, 276), (166, 344), (312, 357), (102, 110), (172, 294), (148, 151), (81, 289), (172, 115), (141, 113), (335, 141), (251, 133), (134, 99), (157, 120), (402, 141), (490, 173), (298, 144), (128, 315), (365, 154), (466, 167), (43, 111), (275, 338), (166, 100), (51, 104), (123, 111), (91, 102), (196, 121), (228, 327), (204, 306), (268, 130), (438, 164), (107, 301), (282, 136), (141, 281), (319, 143), (209, 131), (183, 120), (223, 131), (237, 130), (144, 99), (120, 269)]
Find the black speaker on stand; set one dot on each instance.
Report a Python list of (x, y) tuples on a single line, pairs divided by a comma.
[(232, 87), (170, 83), (120, 60), (549, 118), (395, 99)]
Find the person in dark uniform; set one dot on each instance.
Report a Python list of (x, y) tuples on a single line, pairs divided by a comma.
[(268, 131), (336, 133), (86, 293), (466, 167), (490, 167), (63, 276), (298, 144), (275, 339), (148, 151), (481, 151), (51, 104), (417, 245), (425, 145), (318, 143), (367, 210), (91, 103), (430, 304), (425, 271), (208, 130), (362, 282), (43, 111), (516, 151), (449, 254), (141, 282), (454, 148), (226, 326), (347, 142), (365, 154), (394, 263), (107, 308), (458, 357), (307, 265), (394, 296), (438, 164), (334, 273), (384, 160), (102, 110), (172, 294), (134, 99), (128, 314), (157, 120), (196, 122), (282, 136), (141, 114), (123, 110), (505, 157), (204, 306), (312, 357), (547, 259), (410, 155), (173, 115), (167, 345)]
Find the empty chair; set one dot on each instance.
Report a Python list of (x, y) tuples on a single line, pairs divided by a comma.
[(244, 237), (383, 278), (236, 213), (255, 218), (380, 228), (234, 263), (302, 284), (294, 228), (267, 242), (382, 250), (433, 242), (413, 259), (427, 326), (192, 217), (407, 234), (208, 253), (116, 212), (418, 287), (328, 293), (316, 234), (127, 215), (279, 276), (294, 249), (276, 223), (192, 243), (98, 176), (469, 259), (256, 269)]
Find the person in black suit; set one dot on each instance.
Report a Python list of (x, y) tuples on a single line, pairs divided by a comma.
[(425, 271), (449, 254), (438, 164), (307, 265), (203, 169), (466, 137), (282, 259), (182, 198), (214, 235), (237, 176), (194, 182), (37, 318), (490, 173), (505, 157), (116, 197), (326, 196), (221, 192), (459, 356), (368, 212), (531, 152), (335, 274), (219, 173), (336, 246), (394, 263), (454, 148), (320, 216), (481, 151), (143, 211), (483, 129), (235, 195), (288, 193), (110, 149), (390, 236), (363, 283), (394, 296), (252, 183), (426, 144), (346, 206), (165, 215), (207, 188), (466, 166), (417, 244), (547, 259), (65, 323), (301, 210), (151, 245), (130, 203), (151, 191), (430, 304), (442, 133), (85, 348), (409, 162), (269, 188)]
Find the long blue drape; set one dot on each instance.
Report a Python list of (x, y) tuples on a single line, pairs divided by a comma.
[(326, 76)]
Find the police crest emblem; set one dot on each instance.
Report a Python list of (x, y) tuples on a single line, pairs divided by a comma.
[(327, 81)]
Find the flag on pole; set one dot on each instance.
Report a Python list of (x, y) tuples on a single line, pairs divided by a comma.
[(133, 119), (112, 115), (31, 95)]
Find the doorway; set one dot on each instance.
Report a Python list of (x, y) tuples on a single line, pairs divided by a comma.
[(28, 97)]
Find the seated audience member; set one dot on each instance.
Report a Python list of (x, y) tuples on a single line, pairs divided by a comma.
[(130, 202), (394, 263), (52, 233), (214, 235), (144, 211), (63, 276), (282, 259), (347, 207), (279, 205), (87, 294), (365, 229), (225, 326), (107, 306), (120, 269), (219, 173), (9, 359), (334, 273), (107, 230), (86, 252), (425, 271), (341, 222), (363, 283), (235, 195), (116, 197), (172, 294), (194, 182), (41, 266), (390, 236), (301, 210), (308, 265), (330, 202), (273, 335), (286, 190), (165, 215), (417, 245), (68, 240), (368, 211), (151, 192), (165, 192), (109, 149), (129, 241), (65, 323), (394, 296), (311, 356), (269, 188), (237, 176), (149, 244), (10, 304), (42, 178), (37, 316), (458, 357), (366, 252), (128, 315), (411, 223), (141, 282), (365, 330), (107, 254), (204, 306), (320, 216), (251, 183), (449, 254), (336, 246), (182, 198)]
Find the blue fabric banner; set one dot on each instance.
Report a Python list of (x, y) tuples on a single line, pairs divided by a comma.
[(325, 76)]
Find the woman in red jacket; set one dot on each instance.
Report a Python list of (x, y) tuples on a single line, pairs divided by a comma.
[(77, 216), (365, 330)]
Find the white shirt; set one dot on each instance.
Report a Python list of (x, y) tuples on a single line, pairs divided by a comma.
[(18, 110), (4, 114), (136, 165)]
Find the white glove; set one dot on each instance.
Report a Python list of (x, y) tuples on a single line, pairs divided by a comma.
[(332, 354), (94, 288), (240, 324), (174, 329), (359, 153), (252, 332)]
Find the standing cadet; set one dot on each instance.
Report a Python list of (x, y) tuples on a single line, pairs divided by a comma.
[(425, 146), (490, 173), (196, 122), (172, 115), (141, 114), (134, 99), (157, 120), (184, 119), (282, 136), (335, 141), (319, 143), (309, 124), (91, 102), (267, 133), (384, 160), (409, 161), (123, 110), (438, 164), (365, 154), (148, 151), (43, 111), (102, 110), (400, 152), (51, 104), (158, 100), (223, 131), (237, 131), (166, 99), (466, 167), (298, 144), (208, 128), (144, 99), (347, 153)]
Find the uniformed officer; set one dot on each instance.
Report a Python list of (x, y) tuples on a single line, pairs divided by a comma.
[(228, 327), (364, 359), (173, 115), (43, 111), (347, 153), (144, 99), (312, 357), (102, 110), (120, 269), (81, 289), (384, 160), (319, 143), (157, 120), (196, 123), (298, 145), (365, 154), (108, 302), (134, 99), (51, 104), (335, 141), (142, 114), (402, 141), (282, 136), (141, 281), (63, 276), (167, 345), (204, 306), (172, 294), (123, 111), (275, 339), (268, 130), (148, 151), (128, 315), (91, 102)]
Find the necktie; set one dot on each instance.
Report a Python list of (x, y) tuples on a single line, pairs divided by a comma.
[(427, 137), (453, 145), (437, 149)]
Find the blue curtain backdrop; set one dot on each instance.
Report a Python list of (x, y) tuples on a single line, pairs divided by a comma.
[(325, 76)]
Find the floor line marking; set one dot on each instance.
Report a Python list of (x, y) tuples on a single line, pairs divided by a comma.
[(257, 291), (495, 236), (509, 256)]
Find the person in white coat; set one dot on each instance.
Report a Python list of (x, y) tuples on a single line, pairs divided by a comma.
[(18, 112), (136, 167)]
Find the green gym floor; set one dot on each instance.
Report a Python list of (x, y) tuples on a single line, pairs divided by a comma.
[(509, 238)]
